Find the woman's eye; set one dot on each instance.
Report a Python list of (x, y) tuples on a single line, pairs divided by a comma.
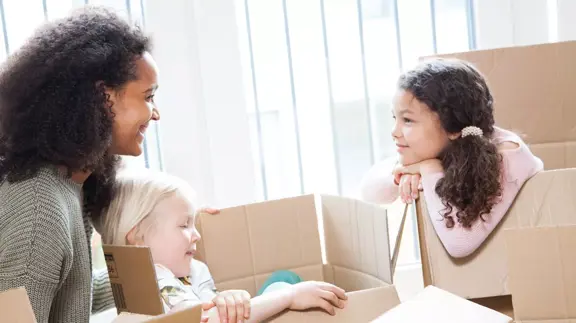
[(406, 120), (150, 98)]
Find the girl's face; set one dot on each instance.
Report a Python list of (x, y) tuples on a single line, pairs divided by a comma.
[(417, 132), (172, 236), (133, 108)]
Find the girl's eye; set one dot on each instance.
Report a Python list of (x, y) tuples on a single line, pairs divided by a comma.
[(406, 120), (150, 98)]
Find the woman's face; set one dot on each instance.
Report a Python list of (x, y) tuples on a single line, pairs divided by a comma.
[(133, 108)]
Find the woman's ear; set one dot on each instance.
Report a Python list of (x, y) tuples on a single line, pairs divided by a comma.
[(110, 93)]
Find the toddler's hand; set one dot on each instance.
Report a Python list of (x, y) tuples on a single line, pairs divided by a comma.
[(208, 210), (233, 306), (313, 294)]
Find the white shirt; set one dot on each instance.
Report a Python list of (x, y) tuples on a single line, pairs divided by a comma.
[(197, 287)]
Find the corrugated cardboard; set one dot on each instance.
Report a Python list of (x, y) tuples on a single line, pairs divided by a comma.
[(189, 315), (15, 307), (436, 305), (325, 238), (289, 234), (363, 306), (546, 199), (542, 266), (133, 280)]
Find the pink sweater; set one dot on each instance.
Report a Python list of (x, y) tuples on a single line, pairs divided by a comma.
[(518, 166)]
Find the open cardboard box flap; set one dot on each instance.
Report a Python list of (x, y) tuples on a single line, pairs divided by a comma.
[(190, 315), (542, 267), (436, 305), (324, 238), (535, 82), (292, 234), (546, 199), (15, 307)]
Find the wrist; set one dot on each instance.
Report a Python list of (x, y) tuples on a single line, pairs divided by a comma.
[(289, 296), (430, 167)]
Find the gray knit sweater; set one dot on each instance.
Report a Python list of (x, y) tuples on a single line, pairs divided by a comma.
[(45, 247)]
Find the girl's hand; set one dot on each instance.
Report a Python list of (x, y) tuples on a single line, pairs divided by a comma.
[(233, 306), (409, 178), (313, 294), (410, 187)]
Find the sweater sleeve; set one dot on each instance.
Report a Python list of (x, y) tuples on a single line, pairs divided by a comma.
[(518, 166), (35, 249), (378, 184), (102, 297)]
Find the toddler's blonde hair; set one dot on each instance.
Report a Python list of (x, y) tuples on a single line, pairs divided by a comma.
[(137, 192)]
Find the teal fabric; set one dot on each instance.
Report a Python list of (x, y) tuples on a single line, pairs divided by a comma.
[(284, 276)]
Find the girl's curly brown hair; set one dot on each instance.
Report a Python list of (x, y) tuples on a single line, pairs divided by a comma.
[(458, 93), (54, 110)]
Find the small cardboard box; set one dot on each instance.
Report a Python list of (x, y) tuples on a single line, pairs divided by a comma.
[(326, 238), (15, 307), (546, 199), (542, 268)]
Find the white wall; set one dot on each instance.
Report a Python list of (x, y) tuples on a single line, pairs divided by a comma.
[(204, 127)]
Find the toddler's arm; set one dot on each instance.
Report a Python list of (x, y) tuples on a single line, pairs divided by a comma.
[(300, 296)]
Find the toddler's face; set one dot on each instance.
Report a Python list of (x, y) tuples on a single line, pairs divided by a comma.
[(173, 236), (417, 131)]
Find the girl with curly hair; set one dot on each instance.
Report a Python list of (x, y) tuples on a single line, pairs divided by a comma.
[(448, 146), (79, 93)]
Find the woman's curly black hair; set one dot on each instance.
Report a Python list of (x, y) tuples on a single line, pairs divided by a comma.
[(54, 110), (458, 93)]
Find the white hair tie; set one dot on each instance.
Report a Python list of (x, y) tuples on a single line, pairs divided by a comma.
[(472, 131)]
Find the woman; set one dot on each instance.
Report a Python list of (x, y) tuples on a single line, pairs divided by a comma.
[(79, 93)]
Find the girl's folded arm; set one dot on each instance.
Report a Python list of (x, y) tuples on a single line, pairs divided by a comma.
[(518, 166)]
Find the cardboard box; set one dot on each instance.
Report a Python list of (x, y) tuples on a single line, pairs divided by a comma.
[(327, 238), (436, 305), (542, 268), (15, 307), (546, 199), (190, 315), (533, 95)]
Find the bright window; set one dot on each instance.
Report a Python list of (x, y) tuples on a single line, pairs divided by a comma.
[(322, 78)]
